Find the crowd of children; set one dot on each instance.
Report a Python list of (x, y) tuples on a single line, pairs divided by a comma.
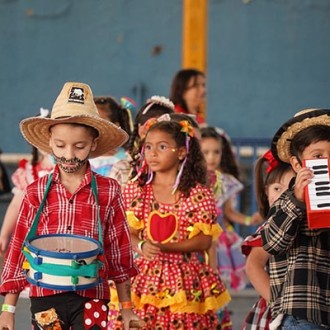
[(158, 197)]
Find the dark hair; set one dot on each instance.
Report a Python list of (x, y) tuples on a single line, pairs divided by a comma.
[(180, 84), (116, 113), (308, 136), (155, 111), (262, 179), (194, 171), (228, 162), (5, 183), (183, 116)]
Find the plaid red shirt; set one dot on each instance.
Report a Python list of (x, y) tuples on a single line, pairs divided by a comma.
[(66, 213)]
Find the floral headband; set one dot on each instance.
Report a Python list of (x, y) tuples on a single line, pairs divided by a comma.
[(272, 162), (185, 124), (161, 100)]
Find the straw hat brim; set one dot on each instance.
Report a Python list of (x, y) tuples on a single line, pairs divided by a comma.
[(281, 143), (36, 130)]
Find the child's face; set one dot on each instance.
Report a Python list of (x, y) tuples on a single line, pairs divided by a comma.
[(274, 190), (316, 150), (211, 148), (71, 146), (162, 153)]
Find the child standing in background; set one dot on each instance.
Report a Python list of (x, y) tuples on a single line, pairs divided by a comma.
[(272, 178), (221, 163), (172, 215), (110, 109), (27, 171), (153, 108)]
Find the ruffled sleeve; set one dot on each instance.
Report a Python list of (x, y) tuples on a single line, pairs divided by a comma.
[(202, 213), (20, 176), (134, 199)]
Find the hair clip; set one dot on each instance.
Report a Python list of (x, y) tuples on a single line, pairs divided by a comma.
[(164, 117), (128, 103), (152, 121), (187, 128), (272, 162)]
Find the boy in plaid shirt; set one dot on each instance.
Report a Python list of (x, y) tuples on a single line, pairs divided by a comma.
[(78, 203), (299, 261)]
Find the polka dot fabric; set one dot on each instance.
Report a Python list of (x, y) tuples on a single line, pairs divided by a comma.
[(176, 290), (95, 314)]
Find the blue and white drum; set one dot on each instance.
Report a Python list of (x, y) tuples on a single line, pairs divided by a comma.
[(63, 262)]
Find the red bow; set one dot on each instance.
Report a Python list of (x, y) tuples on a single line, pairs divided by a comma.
[(272, 162)]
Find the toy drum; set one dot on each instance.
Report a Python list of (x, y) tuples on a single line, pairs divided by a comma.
[(63, 262)]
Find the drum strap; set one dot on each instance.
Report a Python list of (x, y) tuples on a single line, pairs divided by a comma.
[(33, 231)]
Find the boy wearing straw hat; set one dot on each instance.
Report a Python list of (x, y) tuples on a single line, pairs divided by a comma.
[(71, 202), (299, 262)]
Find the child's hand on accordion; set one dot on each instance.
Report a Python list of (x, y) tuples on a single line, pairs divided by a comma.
[(303, 178)]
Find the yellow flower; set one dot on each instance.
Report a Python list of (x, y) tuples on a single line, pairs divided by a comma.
[(187, 128)]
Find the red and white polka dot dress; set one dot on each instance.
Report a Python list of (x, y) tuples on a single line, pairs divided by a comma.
[(176, 290)]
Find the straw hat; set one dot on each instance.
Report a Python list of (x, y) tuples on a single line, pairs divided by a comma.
[(73, 105), (281, 144)]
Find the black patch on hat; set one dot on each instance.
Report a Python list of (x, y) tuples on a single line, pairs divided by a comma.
[(77, 95)]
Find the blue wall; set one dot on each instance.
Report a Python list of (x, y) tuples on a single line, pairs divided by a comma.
[(266, 58)]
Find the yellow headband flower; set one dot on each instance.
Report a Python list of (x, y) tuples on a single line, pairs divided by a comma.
[(187, 128)]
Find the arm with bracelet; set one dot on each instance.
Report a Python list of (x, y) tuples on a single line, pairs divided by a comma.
[(149, 251), (7, 317), (130, 319)]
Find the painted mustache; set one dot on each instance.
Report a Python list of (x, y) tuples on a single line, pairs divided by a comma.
[(63, 162)]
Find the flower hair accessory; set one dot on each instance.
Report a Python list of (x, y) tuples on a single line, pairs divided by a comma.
[(272, 162), (161, 100), (187, 128), (44, 112), (152, 121)]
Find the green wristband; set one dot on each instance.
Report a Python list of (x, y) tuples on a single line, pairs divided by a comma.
[(8, 308)]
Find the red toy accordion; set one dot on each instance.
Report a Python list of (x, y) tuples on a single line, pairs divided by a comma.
[(317, 194)]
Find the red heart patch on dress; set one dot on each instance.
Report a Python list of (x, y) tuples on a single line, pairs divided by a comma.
[(162, 226)]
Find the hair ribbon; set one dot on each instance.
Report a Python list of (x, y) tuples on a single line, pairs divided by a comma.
[(272, 162)]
